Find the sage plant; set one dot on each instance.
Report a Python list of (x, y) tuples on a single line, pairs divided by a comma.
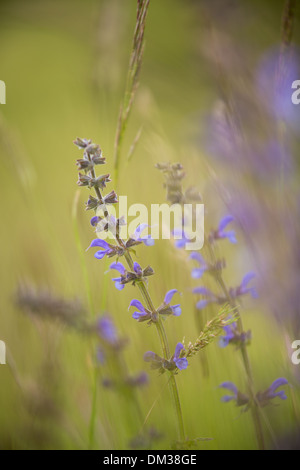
[(212, 265), (133, 273)]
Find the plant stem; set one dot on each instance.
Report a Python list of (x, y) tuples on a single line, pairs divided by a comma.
[(255, 412), (157, 321)]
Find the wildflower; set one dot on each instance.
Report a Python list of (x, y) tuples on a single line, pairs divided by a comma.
[(111, 198), (233, 336), (138, 274), (220, 233), (210, 297), (100, 181), (264, 398), (166, 308), (138, 380), (137, 239), (84, 164), (106, 330), (143, 314), (95, 220), (180, 238), (107, 249), (83, 180), (176, 362), (237, 396), (242, 289), (197, 273), (92, 203), (82, 143)]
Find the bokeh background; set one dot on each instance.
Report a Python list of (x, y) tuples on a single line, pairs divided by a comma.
[(64, 64)]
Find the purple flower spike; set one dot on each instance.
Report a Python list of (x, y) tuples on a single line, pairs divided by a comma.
[(148, 241), (181, 363)]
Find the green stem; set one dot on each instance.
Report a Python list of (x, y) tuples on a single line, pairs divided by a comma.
[(255, 412)]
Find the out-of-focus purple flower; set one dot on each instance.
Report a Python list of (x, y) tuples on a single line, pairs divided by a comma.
[(210, 297), (265, 397), (143, 314), (166, 308), (221, 233), (107, 249), (237, 396), (138, 380), (180, 238), (176, 362), (197, 273), (106, 330), (233, 336), (243, 288), (275, 74), (148, 241)]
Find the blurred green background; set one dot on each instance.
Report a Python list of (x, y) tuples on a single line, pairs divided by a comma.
[(64, 64)]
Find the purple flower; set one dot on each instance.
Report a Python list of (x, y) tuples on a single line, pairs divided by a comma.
[(166, 308), (243, 288), (264, 398), (118, 280), (106, 330), (176, 362), (180, 238), (107, 249), (210, 297), (220, 233), (237, 396), (143, 314), (233, 336), (197, 273), (148, 241), (95, 220), (180, 362), (138, 380)]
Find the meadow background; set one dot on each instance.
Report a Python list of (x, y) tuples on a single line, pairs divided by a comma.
[(64, 64)]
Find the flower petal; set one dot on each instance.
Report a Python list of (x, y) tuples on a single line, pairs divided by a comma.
[(119, 267), (182, 363), (99, 242), (136, 303), (178, 349), (224, 222), (169, 295)]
